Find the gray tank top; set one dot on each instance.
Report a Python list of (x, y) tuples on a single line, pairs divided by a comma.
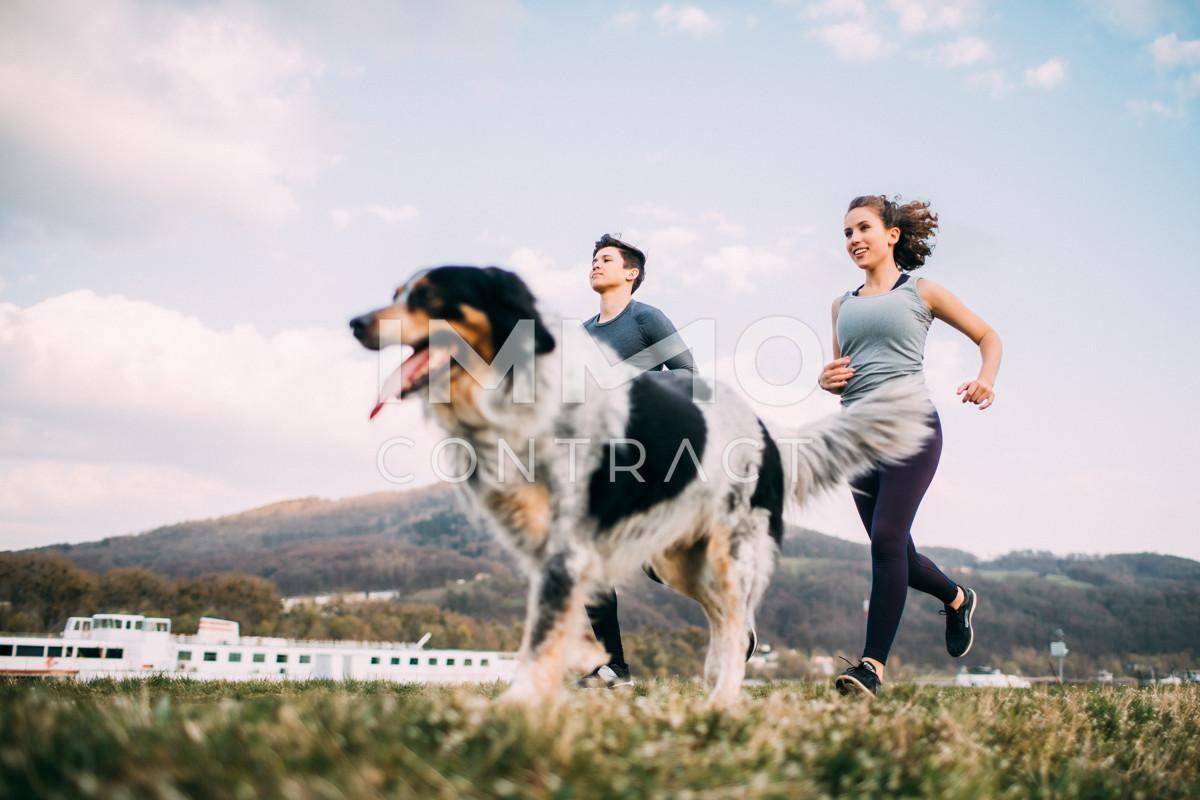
[(884, 336)]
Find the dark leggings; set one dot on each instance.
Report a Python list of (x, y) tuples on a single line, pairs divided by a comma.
[(603, 616), (887, 500)]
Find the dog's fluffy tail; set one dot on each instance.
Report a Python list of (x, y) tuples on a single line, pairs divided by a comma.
[(887, 425)]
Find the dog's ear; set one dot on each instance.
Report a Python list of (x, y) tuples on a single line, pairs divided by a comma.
[(510, 293)]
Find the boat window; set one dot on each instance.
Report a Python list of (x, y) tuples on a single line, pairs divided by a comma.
[(210, 656), (281, 658), (412, 662), (114, 652), (5, 649), (70, 650), (259, 658), (395, 661), (88, 652), (31, 650), (374, 659), (466, 662), (306, 659), (185, 655), (433, 662), (54, 652), (75, 625), (449, 662), (87, 624), (137, 626), (483, 662), (235, 658), (128, 624)]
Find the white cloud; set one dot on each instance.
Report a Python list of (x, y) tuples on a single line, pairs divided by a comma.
[(993, 81), (925, 16), (1047, 75), (132, 111), (393, 214), (854, 41), (654, 212), (389, 215), (1170, 51), (744, 269), (121, 414), (836, 8), (726, 227), (1131, 16), (670, 238), (691, 20), (559, 289), (964, 52), (1154, 107), (1189, 87)]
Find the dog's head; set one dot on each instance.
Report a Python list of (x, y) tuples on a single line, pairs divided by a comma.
[(482, 306)]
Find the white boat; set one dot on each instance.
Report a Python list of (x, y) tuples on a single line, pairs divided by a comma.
[(132, 645), (986, 676)]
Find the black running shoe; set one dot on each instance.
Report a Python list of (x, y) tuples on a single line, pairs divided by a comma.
[(960, 629), (753, 634), (861, 677), (606, 676)]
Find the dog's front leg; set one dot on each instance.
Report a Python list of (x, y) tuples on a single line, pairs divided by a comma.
[(553, 623)]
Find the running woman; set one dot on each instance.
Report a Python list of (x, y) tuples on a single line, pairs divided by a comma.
[(879, 334), (631, 329)]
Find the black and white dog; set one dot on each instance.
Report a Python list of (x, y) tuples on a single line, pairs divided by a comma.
[(632, 475)]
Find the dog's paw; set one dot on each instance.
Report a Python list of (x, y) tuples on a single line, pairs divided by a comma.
[(724, 698), (522, 694)]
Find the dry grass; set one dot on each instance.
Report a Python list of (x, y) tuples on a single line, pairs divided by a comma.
[(173, 739)]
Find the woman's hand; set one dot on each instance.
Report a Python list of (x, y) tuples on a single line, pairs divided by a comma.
[(835, 375), (978, 392)]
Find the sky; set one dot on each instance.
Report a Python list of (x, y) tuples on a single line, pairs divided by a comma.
[(196, 197)]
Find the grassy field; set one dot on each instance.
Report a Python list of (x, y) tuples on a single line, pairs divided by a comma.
[(168, 739)]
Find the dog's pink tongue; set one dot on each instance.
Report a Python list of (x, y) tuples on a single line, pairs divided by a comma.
[(401, 379)]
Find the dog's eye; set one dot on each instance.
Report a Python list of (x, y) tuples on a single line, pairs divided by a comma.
[(418, 297)]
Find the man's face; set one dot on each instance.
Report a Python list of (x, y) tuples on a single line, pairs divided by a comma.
[(608, 270)]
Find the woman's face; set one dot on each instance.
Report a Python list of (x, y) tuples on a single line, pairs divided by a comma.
[(867, 241)]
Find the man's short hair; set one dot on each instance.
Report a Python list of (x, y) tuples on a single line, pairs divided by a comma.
[(632, 257)]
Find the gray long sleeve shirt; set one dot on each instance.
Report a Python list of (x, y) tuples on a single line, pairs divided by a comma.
[(643, 333)]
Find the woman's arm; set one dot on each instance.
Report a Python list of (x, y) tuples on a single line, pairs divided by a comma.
[(838, 372), (948, 308)]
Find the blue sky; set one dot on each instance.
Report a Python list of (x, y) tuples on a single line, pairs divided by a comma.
[(195, 197)]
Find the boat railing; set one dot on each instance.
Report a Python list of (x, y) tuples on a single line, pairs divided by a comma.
[(275, 641)]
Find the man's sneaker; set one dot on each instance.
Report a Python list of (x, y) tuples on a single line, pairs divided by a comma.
[(606, 676), (960, 629), (753, 634), (861, 677)]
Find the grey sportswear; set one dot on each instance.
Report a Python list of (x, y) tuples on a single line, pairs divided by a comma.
[(638, 327)]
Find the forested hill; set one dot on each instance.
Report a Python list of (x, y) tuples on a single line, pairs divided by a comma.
[(422, 543)]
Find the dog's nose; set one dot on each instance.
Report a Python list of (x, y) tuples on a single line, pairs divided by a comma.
[(359, 325)]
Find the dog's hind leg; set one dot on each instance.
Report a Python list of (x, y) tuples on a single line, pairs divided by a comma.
[(755, 551), (553, 627), (685, 569), (709, 573)]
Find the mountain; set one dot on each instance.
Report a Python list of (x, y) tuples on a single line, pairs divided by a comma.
[(423, 543)]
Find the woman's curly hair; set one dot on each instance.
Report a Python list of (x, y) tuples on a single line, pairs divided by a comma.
[(918, 226)]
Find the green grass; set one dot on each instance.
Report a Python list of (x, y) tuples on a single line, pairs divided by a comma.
[(169, 739)]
